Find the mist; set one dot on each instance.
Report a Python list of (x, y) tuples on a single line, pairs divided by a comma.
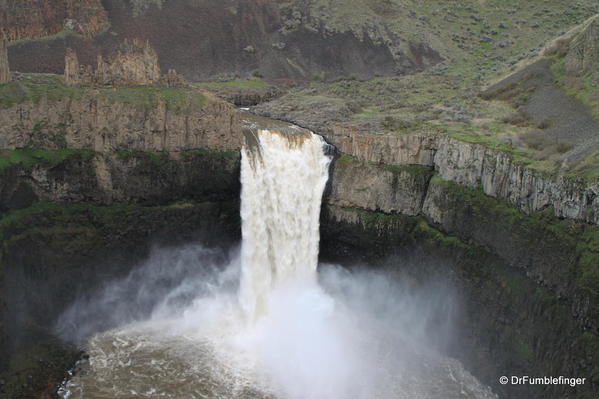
[(358, 333), (265, 321)]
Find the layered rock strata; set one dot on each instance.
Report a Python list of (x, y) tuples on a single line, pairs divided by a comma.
[(28, 19), (103, 125), (4, 67), (475, 165)]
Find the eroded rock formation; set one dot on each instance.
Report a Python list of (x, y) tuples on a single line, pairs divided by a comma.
[(4, 67), (103, 125), (579, 46), (71, 67), (135, 63), (27, 19), (583, 55), (474, 165)]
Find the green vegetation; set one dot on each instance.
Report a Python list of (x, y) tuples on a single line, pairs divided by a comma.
[(571, 236), (28, 157), (588, 250), (63, 34), (164, 157), (211, 153), (34, 87), (479, 42), (415, 170), (346, 160), (440, 237), (585, 88), (501, 212), (159, 158), (236, 83), (56, 216), (588, 168), (148, 97)]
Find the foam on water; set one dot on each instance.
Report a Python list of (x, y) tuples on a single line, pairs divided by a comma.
[(284, 331)]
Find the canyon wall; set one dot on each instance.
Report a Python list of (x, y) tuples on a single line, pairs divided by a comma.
[(106, 124), (205, 40), (475, 165), (4, 66), (517, 242), (29, 19)]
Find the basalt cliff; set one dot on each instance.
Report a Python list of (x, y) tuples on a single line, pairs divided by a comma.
[(484, 185)]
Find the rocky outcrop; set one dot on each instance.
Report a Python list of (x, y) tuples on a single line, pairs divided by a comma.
[(204, 40), (474, 165), (458, 200), (583, 53), (103, 125), (579, 46), (135, 63), (387, 189), (125, 177), (28, 19), (508, 322), (71, 67), (4, 67), (172, 79)]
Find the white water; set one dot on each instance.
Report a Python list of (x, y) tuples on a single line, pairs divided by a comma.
[(267, 325), (283, 181)]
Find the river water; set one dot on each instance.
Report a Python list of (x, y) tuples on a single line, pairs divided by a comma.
[(265, 322)]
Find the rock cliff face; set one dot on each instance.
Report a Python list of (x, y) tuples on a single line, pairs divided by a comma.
[(475, 165), (71, 67), (27, 19), (135, 63), (123, 177), (103, 125), (4, 66), (508, 323), (205, 40), (583, 53)]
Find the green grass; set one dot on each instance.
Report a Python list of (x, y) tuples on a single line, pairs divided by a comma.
[(148, 97), (34, 87), (415, 170), (28, 157), (63, 34), (236, 84), (346, 160)]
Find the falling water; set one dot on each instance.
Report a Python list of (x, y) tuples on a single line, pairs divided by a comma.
[(264, 324), (284, 176)]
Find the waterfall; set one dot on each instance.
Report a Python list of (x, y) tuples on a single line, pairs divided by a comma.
[(262, 325), (283, 177)]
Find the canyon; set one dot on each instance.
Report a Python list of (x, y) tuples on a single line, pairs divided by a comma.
[(123, 155)]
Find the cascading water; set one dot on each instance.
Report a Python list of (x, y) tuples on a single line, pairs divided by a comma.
[(284, 176), (268, 325)]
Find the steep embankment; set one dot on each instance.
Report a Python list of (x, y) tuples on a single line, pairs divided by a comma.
[(89, 181), (477, 214), (522, 247), (32, 19), (207, 40)]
